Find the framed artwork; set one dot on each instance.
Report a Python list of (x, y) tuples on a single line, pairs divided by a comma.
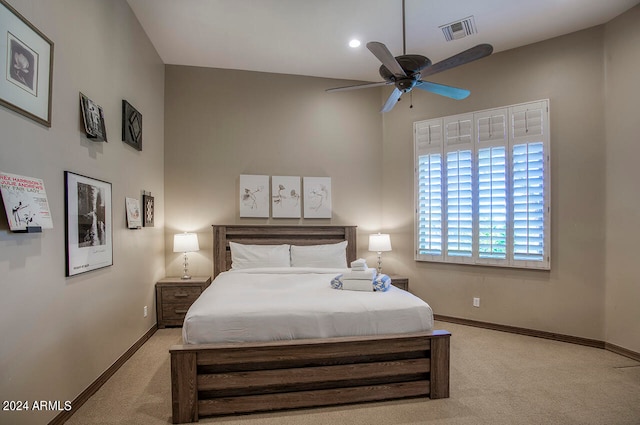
[(131, 125), (25, 202), (134, 216), (89, 241), (285, 197), (93, 118), (317, 197), (254, 196), (26, 60), (148, 210)]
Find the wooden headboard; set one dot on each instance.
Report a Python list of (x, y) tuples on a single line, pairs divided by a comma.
[(275, 235)]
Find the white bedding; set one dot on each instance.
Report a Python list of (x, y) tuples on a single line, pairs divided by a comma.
[(288, 303)]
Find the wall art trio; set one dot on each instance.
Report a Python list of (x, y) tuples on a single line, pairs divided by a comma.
[(284, 196)]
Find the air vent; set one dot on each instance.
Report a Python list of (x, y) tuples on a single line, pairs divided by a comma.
[(459, 29)]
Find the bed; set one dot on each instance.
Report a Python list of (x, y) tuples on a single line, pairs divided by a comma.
[(223, 378)]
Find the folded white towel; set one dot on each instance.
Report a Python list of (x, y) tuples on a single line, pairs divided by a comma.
[(368, 274), (357, 285), (359, 264)]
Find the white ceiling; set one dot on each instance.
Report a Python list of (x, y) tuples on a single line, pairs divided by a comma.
[(309, 37)]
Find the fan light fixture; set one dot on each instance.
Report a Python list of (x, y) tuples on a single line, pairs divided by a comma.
[(354, 43), (405, 72)]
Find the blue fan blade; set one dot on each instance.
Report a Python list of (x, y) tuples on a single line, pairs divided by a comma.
[(442, 90)]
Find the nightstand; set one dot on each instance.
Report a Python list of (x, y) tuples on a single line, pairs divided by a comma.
[(174, 296), (400, 282)]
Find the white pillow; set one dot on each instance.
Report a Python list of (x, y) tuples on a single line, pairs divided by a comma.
[(252, 256), (330, 255)]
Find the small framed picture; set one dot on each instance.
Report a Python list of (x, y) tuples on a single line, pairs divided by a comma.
[(89, 242), (148, 212), (131, 125), (93, 117), (26, 60)]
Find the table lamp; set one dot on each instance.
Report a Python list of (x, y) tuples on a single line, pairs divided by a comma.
[(379, 243), (185, 243)]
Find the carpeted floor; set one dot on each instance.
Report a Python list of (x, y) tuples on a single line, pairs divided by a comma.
[(496, 378)]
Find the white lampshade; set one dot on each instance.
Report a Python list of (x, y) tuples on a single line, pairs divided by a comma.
[(379, 242), (185, 242)]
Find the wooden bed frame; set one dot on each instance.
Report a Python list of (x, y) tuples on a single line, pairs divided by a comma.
[(231, 378)]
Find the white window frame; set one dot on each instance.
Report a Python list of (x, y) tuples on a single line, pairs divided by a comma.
[(506, 127)]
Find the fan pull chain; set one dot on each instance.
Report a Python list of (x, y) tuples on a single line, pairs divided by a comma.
[(411, 100)]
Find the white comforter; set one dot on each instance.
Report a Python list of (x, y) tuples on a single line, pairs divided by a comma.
[(297, 303)]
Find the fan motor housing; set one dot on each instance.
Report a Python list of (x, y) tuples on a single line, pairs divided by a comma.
[(411, 64)]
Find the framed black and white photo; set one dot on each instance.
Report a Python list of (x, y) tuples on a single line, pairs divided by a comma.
[(131, 125), (26, 60), (148, 210), (89, 243), (93, 118)]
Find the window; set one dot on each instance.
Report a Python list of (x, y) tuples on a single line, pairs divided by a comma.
[(482, 187)]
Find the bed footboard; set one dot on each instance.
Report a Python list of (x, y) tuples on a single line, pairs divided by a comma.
[(222, 379)]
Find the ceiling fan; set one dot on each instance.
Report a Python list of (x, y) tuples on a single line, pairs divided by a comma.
[(406, 71)]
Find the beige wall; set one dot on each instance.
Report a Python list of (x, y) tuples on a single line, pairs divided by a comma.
[(622, 68), (59, 334), (568, 299), (220, 124)]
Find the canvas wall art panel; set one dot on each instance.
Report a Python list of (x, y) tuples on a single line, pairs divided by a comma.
[(317, 197), (286, 200), (254, 196)]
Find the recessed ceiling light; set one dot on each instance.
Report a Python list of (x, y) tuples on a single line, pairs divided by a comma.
[(354, 43)]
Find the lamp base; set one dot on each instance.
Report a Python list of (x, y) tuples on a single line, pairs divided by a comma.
[(185, 265)]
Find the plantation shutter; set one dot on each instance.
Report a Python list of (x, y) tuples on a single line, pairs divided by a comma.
[(429, 189), (458, 225), (482, 187), (530, 171), (491, 186)]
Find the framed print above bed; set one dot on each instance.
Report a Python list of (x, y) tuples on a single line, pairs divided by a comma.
[(89, 241), (26, 60)]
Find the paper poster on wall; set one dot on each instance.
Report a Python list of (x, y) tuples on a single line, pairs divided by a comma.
[(317, 197), (285, 197), (25, 202), (254, 196)]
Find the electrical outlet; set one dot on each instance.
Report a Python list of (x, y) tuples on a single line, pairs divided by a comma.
[(145, 311), (476, 302)]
